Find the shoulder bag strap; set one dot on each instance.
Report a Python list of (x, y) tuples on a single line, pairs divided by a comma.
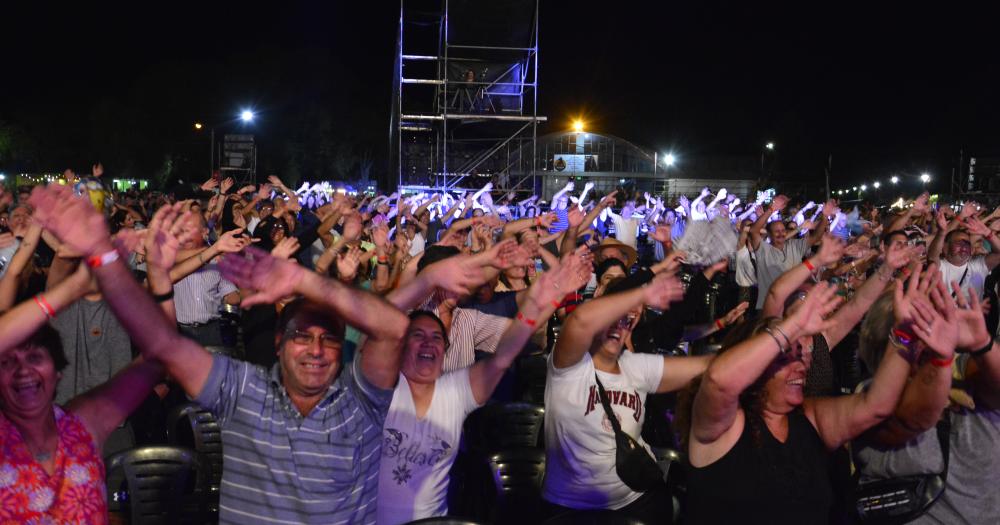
[(944, 439), (607, 406)]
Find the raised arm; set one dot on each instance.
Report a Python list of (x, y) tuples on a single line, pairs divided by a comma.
[(539, 303), (776, 205), (9, 282), (851, 313), (716, 403), (829, 252), (595, 316), (76, 223), (271, 279), (842, 418)]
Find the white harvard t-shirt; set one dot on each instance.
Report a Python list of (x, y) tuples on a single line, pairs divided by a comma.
[(418, 453), (579, 441), (974, 279)]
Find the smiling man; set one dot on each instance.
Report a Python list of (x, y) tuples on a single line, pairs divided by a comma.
[(302, 440)]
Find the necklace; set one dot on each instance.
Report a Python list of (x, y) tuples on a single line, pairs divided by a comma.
[(43, 457)]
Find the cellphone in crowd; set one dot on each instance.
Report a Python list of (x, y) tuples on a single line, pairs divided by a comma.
[(538, 266)]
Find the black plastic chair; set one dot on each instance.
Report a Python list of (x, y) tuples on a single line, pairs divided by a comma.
[(194, 427), (505, 426), (120, 439), (592, 517), (517, 478), (443, 521), (149, 485)]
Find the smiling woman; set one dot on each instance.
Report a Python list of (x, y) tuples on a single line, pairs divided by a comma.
[(51, 455)]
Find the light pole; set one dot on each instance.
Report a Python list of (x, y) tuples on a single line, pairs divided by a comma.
[(769, 146), (246, 116)]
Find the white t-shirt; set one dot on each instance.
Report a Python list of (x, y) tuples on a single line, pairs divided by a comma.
[(417, 244), (417, 454), (579, 441), (626, 230), (974, 279), (746, 276)]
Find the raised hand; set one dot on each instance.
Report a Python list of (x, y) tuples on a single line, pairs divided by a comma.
[(735, 314), (352, 227), (572, 273), (811, 317), (970, 316), (169, 228), (286, 248), (275, 181), (232, 241), (209, 184), (919, 284), (246, 189), (73, 220), (898, 256), (504, 254), (969, 209), (227, 184), (941, 220), (937, 328), (830, 251), (664, 289), (348, 262), (779, 203), (661, 233), (264, 192), (976, 227), (268, 278), (546, 220), (574, 216), (380, 236), (608, 200)]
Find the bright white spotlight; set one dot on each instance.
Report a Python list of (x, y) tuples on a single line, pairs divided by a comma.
[(894, 179), (669, 159), (864, 187), (769, 145), (854, 188), (925, 177), (877, 184), (246, 115)]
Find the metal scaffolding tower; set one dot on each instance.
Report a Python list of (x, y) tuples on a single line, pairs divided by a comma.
[(465, 94)]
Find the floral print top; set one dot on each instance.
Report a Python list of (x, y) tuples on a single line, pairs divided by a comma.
[(75, 491)]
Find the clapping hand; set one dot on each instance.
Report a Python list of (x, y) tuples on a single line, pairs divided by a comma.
[(268, 278)]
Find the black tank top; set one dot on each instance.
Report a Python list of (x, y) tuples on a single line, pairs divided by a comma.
[(771, 483)]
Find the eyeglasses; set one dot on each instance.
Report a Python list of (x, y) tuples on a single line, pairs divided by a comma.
[(326, 339)]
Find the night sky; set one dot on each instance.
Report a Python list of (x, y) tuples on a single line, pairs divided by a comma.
[(882, 89)]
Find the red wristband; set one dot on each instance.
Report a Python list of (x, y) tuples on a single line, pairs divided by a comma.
[(809, 265), (942, 363), (525, 320), (557, 304), (96, 261), (45, 306), (719, 325), (904, 337)]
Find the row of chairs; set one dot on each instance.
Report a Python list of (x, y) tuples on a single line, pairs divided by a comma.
[(165, 484)]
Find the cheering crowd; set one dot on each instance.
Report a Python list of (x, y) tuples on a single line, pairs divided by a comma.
[(844, 372)]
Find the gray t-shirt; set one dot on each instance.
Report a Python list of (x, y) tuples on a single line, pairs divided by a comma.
[(95, 344), (970, 494), (772, 262)]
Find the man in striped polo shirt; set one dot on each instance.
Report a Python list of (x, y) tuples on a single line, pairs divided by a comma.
[(302, 441)]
